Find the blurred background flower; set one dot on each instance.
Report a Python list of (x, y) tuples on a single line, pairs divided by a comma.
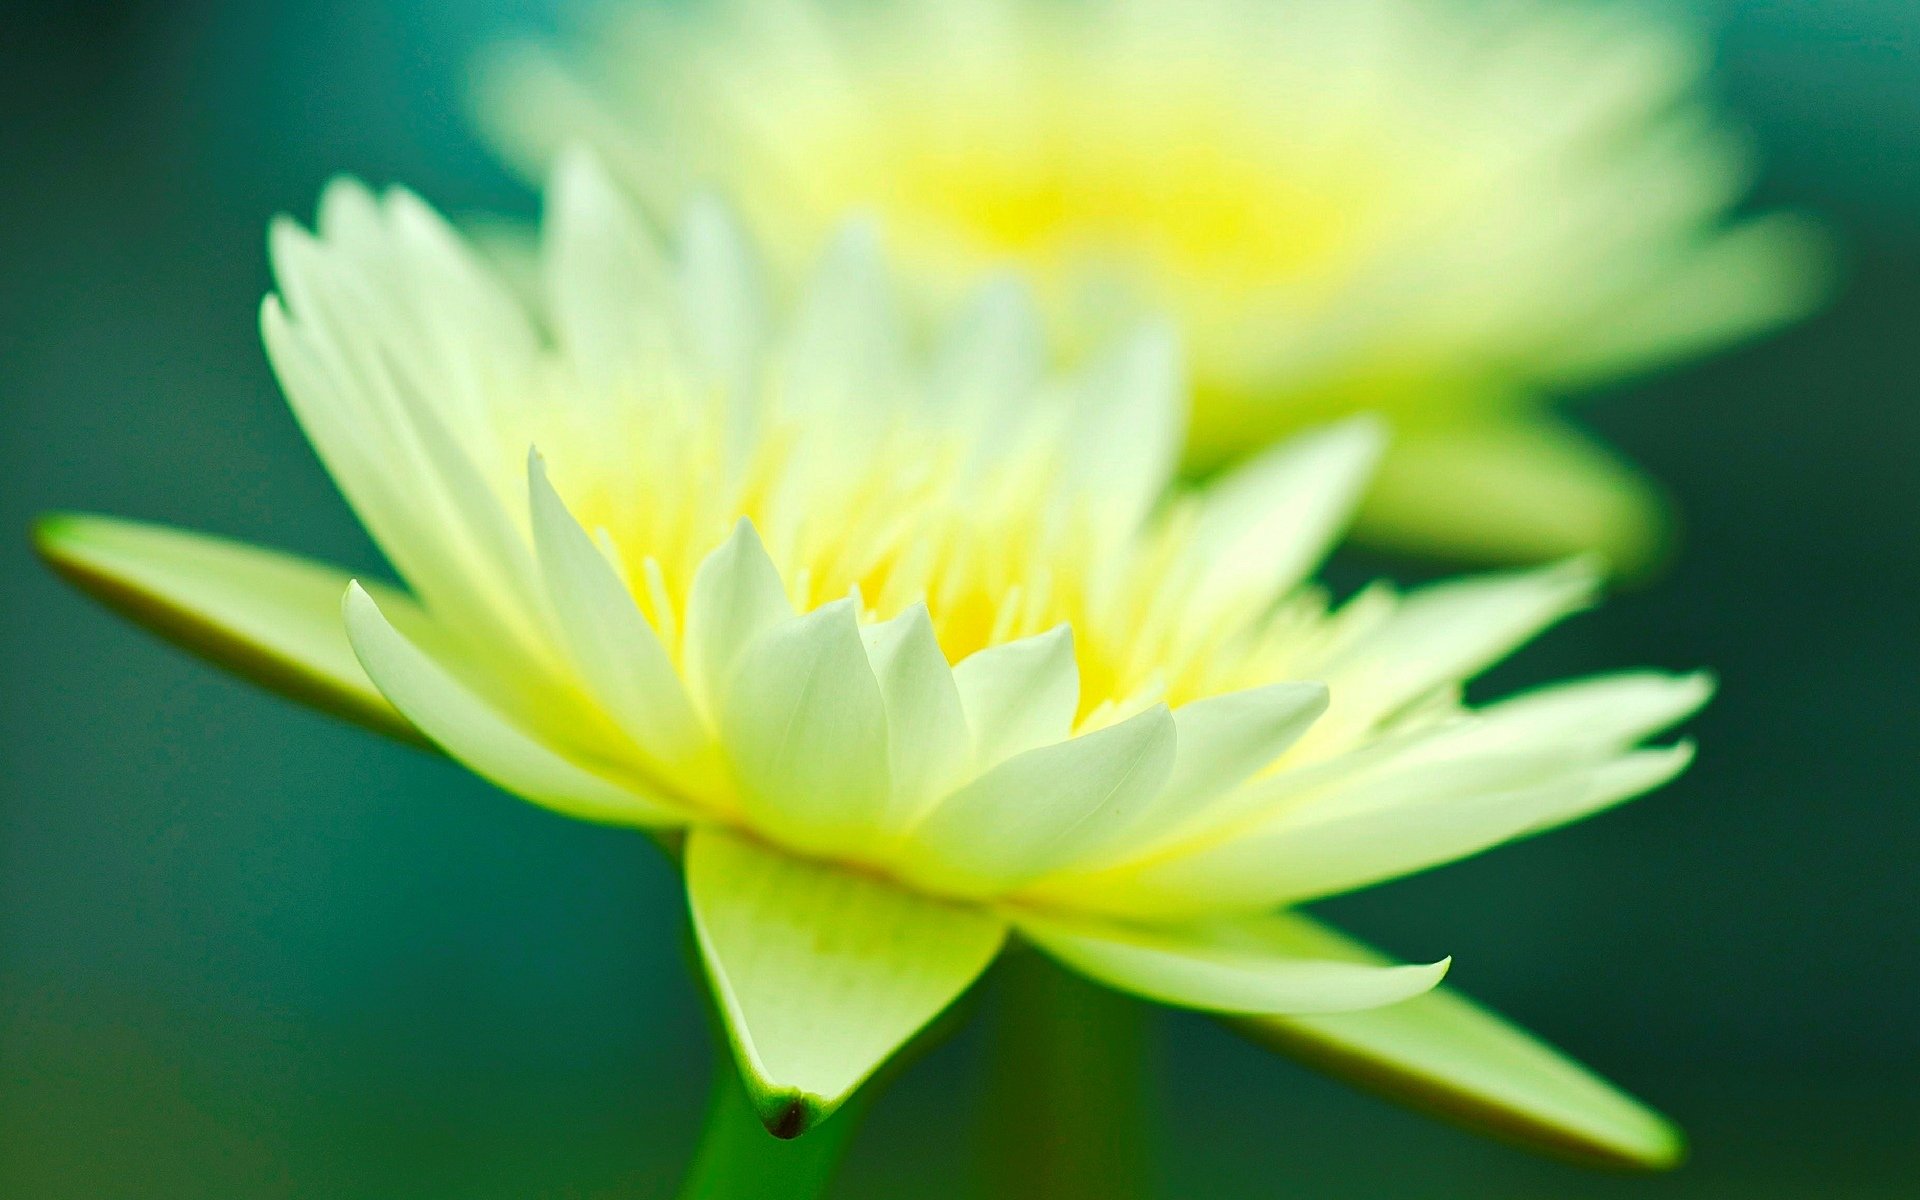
[(1443, 210), (247, 952)]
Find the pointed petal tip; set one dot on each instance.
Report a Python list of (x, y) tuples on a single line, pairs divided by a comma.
[(52, 532)]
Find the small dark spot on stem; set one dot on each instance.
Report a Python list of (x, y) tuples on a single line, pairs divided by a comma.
[(791, 1123)]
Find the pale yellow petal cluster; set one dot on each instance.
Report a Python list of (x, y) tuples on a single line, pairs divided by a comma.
[(909, 647), (1432, 209)]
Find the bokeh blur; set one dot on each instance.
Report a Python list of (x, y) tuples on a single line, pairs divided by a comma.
[(247, 952)]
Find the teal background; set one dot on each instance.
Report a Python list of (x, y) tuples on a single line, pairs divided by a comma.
[(246, 952)]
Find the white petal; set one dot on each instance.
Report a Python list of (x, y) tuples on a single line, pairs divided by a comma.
[(1366, 831), (1443, 634), (605, 277), (1231, 967), (1130, 413), (1264, 527), (822, 974), (926, 728), (1612, 710), (1042, 808), (723, 291), (736, 594), (610, 642), (1019, 694), (471, 731), (844, 345), (991, 359), (1223, 741), (806, 729)]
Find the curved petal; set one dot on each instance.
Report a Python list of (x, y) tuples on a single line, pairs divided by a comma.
[(468, 729), (1444, 1054), (822, 974), (610, 642), (1443, 633), (270, 618), (736, 594), (1019, 694), (1131, 402), (1265, 526), (806, 730), (1243, 966), (1043, 808), (927, 740), (1367, 830)]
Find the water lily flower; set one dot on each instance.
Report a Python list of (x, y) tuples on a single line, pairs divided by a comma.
[(903, 650), (1435, 210)]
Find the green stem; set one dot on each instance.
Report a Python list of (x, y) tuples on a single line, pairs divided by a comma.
[(1067, 1114), (739, 1160)]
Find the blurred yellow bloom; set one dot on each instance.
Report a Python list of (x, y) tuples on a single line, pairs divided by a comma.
[(1440, 211), (907, 647)]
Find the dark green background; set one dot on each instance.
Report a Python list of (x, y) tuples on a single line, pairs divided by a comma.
[(245, 952)]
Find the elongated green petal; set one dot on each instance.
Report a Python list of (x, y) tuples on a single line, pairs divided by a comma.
[(1019, 694), (1039, 810), (1513, 492), (1446, 1055), (270, 618), (820, 973), (492, 746), (1244, 966), (806, 729)]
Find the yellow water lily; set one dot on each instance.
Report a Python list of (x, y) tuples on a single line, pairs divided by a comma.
[(901, 648), (1439, 210)]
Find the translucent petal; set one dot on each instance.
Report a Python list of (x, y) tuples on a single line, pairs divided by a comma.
[(723, 292), (1044, 807), (489, 744), (610, 642), (270, 618), (1447, 1055), (1367, 830), (844, 345), (1019, 694), (991, 359), (1265, 526), (606, 279), (822, 974), (736, 594), (1445, 633), (805, 727), (1244, 966), (1222, 741), (927, 737), (1131, 403), (1611, 711)]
